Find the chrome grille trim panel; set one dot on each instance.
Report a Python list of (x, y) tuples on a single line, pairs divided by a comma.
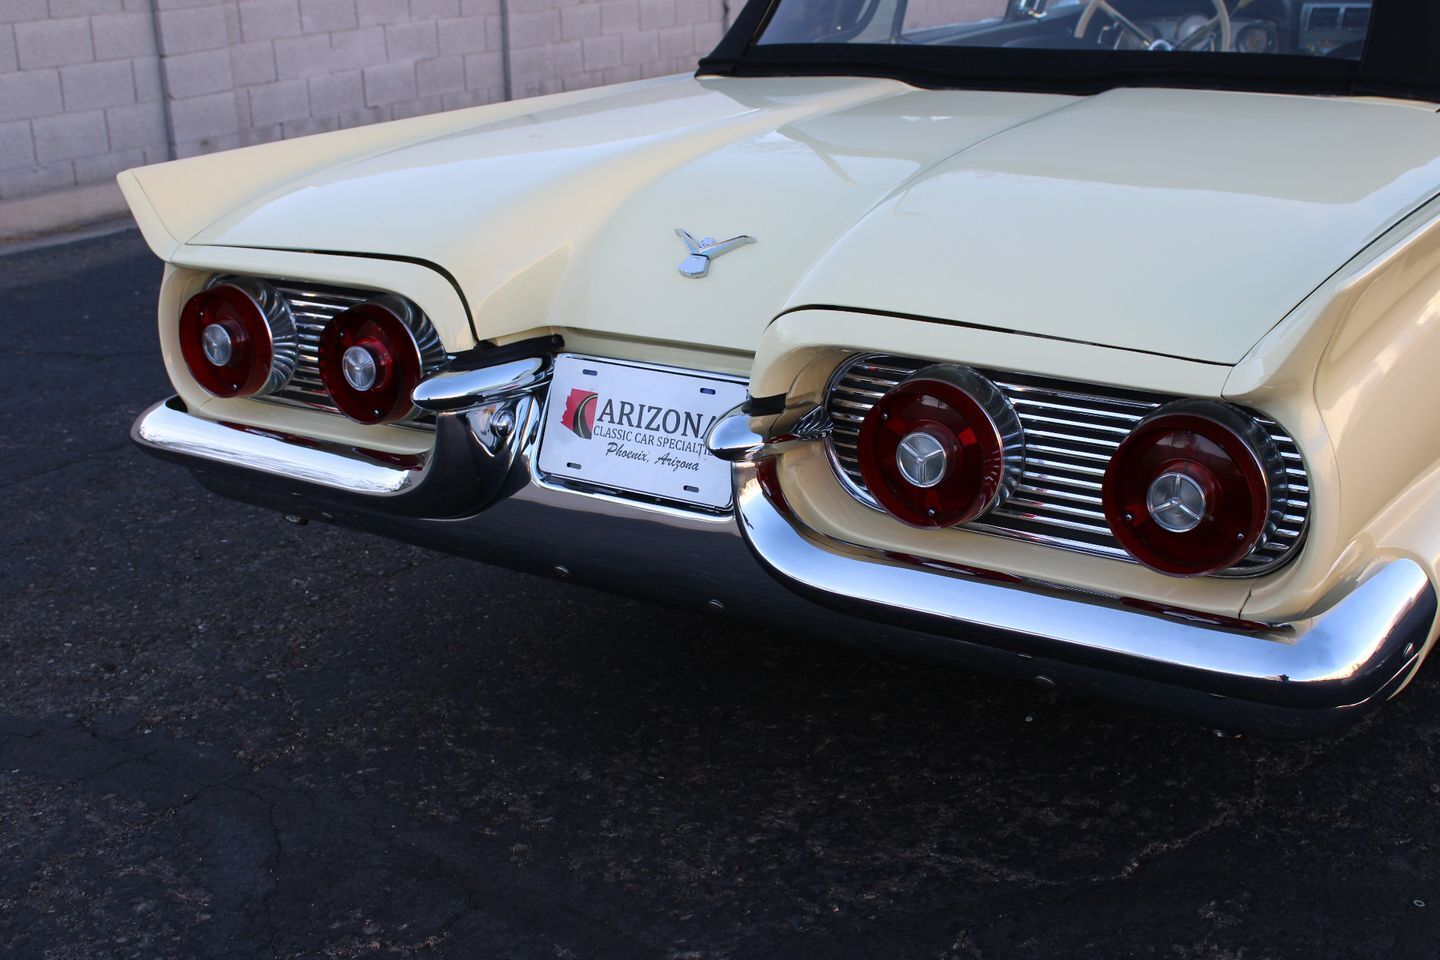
[(1071, 431), (313, 306)]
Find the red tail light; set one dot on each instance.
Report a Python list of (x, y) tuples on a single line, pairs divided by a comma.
[(1188, 492), (238, 339), (941, 448), (370, 363)]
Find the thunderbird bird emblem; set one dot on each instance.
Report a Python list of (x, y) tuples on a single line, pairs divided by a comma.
[(703, 251)]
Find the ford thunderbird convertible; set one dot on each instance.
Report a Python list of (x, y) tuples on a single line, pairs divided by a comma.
[(1093, 341)]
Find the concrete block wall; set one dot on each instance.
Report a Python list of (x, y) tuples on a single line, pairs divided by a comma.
[(79, 93), (86, 90)]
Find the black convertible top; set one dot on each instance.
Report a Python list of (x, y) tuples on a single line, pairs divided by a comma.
[(1401, 59)]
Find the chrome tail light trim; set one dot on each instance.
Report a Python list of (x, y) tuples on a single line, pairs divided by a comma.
[(284, 333), (1071, 432), (312, 307)]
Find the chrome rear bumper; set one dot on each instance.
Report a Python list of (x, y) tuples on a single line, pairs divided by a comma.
[(479, 493)]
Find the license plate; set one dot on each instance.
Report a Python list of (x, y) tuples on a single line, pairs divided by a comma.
[(637, 429)]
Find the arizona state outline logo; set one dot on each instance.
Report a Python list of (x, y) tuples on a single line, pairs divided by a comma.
[(579, 415)]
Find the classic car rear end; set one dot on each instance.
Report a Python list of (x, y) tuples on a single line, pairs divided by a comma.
[(1121, 387)]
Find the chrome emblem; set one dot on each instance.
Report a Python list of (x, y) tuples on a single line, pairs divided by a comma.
[(358, 365), (1176, 502), (921, 459), (703, 251), (215, 340)]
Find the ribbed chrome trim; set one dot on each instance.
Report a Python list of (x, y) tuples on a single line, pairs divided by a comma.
[(284, 343), (1071, 431), (313, 306)]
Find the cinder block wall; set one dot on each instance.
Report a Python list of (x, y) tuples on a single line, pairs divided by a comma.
[(86, 90), (79, 92)]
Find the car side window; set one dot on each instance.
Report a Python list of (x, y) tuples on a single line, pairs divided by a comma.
[(929, 14)]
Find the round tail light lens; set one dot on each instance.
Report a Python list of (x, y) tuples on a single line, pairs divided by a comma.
[(1188, 492), (370, 363), (238, 339), (941, 448)]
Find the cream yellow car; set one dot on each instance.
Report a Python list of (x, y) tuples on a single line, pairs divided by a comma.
[(1093, 341)]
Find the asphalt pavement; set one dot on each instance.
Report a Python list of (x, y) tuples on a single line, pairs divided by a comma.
[(222, 735)]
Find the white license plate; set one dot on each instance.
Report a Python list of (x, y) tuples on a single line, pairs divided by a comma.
[(637, 429)]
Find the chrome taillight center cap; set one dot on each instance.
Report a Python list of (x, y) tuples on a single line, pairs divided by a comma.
[(1176, 502), (359, 367), (217, 343), (922, 459)]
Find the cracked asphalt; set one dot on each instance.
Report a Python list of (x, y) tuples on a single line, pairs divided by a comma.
[(225, 736)]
